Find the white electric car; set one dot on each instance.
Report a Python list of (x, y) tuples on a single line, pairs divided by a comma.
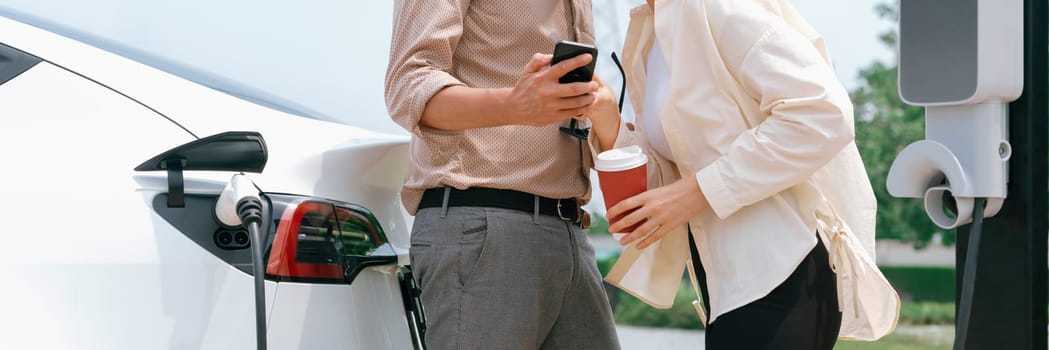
[(98, 255)]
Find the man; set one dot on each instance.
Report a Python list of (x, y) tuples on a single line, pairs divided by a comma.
[(497, 244)]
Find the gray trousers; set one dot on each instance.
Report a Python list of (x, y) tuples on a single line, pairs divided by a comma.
[(499, 279)]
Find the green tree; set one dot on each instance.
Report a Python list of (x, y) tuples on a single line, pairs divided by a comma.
[(884, 126), (598, 224)]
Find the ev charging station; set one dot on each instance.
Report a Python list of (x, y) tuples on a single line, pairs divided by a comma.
[(963, 61), (979, 69)]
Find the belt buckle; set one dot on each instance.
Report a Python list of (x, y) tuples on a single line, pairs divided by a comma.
[(559, 211), (579, 213)]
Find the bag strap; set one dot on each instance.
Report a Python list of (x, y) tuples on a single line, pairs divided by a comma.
[(841, 249), (702, 303)]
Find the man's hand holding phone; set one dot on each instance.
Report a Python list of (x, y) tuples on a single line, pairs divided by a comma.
[(539, 98)]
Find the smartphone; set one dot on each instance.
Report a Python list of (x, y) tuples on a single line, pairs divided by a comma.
[(567, 49)]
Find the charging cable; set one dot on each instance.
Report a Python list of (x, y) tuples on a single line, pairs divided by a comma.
[(965, 305), (241, 204)]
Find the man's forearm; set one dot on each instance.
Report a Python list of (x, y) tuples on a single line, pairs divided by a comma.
[(537, 99), (458, 108)]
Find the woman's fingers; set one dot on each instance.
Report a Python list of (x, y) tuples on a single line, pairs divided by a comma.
[(623, 222), (650, 216), (657, 234), (658, 211), (626, 206), (647, 227), (632, 237)]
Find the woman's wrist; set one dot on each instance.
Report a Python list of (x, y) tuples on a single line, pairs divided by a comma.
[(606, 130), (604, 120), (694, 197)]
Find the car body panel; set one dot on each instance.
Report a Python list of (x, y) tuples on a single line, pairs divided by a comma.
[(96, 268), (334, 161), (73, 149), (315, 317), (324, 58)]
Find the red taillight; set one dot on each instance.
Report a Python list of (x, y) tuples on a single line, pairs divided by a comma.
[(323, 241), (305, 234)]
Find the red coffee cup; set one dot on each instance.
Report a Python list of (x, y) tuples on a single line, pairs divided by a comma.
[(623, 173)]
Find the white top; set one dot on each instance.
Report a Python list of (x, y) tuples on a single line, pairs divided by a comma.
[(657, 88)]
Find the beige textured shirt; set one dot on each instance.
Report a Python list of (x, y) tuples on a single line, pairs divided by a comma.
[(482, 44)]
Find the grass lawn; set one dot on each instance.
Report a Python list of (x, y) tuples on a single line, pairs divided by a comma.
[(893, 342), (922, 284), (929, 310)]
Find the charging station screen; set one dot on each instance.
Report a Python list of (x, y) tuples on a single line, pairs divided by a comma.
[(938, 50)]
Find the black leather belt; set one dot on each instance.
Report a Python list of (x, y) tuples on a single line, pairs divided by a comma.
[(566, 209)]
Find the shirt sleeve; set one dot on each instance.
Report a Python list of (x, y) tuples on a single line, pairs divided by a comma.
[(425, 35), (624, 138), (808, 119)]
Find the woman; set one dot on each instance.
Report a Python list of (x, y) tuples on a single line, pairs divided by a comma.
[(749, 136)]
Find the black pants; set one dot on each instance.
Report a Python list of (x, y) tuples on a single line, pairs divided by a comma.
[(801, 313)]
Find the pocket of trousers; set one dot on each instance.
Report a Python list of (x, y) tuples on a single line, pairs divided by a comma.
[(472, 244), (420, 256), (423, 248)]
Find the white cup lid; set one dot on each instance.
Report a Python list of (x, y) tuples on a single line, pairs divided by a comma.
[(620, 159)]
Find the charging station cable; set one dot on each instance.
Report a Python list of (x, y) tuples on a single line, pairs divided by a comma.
[(241, 204), (965, 304)]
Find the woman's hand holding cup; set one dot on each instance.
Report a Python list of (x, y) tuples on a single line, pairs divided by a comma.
[(649, 216)]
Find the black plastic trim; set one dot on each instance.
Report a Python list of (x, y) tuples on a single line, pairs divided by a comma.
[(354, 264), (413, 309), (176, 184), (14, 62), (197, 221), (312, 280), (227, 151)]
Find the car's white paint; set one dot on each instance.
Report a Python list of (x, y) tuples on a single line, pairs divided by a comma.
[(306, 155), (68, 147), (318, 316), (314, 54), (93, 267)]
